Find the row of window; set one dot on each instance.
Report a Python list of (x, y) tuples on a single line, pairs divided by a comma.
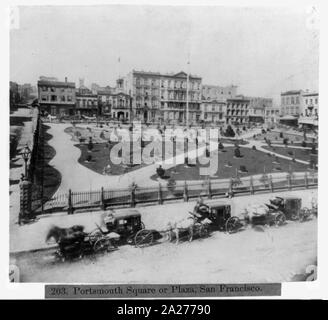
[(290, 100), (173, 84), (310, 101), (213, 108), (53, 89), (55, 98), (292, 110), (237, 105)]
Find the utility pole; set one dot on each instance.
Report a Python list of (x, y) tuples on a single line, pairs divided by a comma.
[(187, 105)]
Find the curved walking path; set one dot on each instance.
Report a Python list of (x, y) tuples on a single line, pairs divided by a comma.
[(77, 177)]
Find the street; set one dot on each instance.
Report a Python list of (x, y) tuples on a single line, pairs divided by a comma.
[(262, 254)]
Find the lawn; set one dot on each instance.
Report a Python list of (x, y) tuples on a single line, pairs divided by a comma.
[(274, 137), (301, 154), (255, 161)]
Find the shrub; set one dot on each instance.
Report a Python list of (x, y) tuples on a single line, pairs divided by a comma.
[(221, 147), (254, 148), (229, 132), (237, 153), (263, 131), (313, 150), (89, 157), (303, 144), (285, 141), (243, 169), (281, 135)]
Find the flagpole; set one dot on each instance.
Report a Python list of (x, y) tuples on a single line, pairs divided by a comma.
[(187, 106)]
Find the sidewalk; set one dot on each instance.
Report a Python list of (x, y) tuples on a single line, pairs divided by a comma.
[(32, 236)]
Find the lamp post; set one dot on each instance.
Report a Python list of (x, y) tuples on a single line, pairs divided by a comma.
[(26, 155)]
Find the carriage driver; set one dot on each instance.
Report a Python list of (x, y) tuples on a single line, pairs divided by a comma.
[(201, 210)]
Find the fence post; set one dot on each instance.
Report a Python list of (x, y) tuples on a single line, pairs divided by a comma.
[(102, 199), (306, 181), (133, 197), (185, 192), (230, 189), (251, 185), (209, 189), (70, 203), (160, 195), (271, 183), (289, 181)]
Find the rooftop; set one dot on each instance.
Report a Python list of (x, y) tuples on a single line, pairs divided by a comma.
[(62, 84)]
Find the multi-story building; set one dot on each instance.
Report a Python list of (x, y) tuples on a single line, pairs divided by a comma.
[(56, 97), (115, 103), (257, 108), (310, 104), (237, 110), (272, 115), (310, 116), (221, 93), (214, 111), (163, 97), (86, 101), (291, 103)]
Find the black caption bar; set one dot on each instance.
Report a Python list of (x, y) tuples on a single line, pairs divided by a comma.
[(160, 290)]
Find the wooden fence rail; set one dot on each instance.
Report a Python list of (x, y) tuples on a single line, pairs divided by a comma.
[(181, 191)]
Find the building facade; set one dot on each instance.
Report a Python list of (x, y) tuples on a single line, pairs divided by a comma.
[(310, 111), (86, 101), (221, 93), (272, 115), (163, 97), (310, 105), (55, 97), (237, 110), (257, 109), (214, 111), (291, 103)]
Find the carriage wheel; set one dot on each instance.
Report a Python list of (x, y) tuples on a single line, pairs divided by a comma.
[(232, 224), (280, 219), (305, 214), (203, 231), (94, 236), (101, 245), (143, 238)]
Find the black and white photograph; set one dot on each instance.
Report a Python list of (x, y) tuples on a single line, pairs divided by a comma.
[(163, 144)]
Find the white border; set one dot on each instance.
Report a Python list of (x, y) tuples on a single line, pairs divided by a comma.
[(303, 290)]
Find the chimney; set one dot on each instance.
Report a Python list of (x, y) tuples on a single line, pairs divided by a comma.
[(65, 79)]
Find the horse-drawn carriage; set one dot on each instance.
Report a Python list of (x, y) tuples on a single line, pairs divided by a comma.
[(129, 227), (74, 242), (291, 207)]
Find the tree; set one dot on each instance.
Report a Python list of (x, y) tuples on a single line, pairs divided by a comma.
[(281, 135), (229, 132)]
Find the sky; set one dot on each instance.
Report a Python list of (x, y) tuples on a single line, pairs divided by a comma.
[(263, 51)]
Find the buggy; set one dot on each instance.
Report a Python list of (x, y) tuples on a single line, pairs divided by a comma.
[(291, 207), (219, 213), (130, 228)]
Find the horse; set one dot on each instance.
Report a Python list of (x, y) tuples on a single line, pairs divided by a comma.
[(190, 226), (58, 234)]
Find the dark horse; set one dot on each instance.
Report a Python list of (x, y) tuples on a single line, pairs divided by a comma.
[(70, 241), (59, 234)]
